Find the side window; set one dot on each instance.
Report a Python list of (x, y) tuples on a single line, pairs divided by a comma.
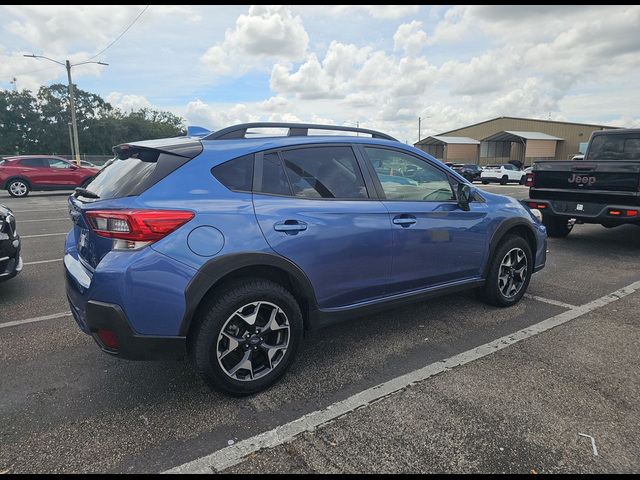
[(236, 175), (274, 180), (33, 163), (324, 172), (57, 163), (405, 177)]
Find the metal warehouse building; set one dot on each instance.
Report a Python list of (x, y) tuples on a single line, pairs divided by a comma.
[(509, 138)]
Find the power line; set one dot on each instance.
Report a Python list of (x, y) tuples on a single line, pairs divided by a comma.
[(49, 68), (27, 73), (127, 29)]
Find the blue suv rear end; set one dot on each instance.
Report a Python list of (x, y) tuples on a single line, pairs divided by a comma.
[(226, 249)]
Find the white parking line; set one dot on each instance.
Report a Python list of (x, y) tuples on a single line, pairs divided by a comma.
[(43, 235), (44, 219), (34, 320), (551, 302), (44, 261), (233, 455)]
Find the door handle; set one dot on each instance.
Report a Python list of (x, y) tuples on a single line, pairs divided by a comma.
[(54, 171), (290, 226), (26, 170), (404, 221)]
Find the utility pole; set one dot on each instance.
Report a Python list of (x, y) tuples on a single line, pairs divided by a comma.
[(419, 120), (73, 114), (71, 141), (68, 66), (14, 82)]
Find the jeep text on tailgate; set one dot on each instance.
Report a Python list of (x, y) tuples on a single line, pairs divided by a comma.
[(603, 188)]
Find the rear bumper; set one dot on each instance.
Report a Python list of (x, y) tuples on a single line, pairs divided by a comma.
[(583, 212), (130, 346)]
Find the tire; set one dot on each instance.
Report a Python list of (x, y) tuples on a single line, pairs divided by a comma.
[(504, 180), (18, 188), (506, 284), (523, 180), (242, 361), (485, 183), (557, 226)]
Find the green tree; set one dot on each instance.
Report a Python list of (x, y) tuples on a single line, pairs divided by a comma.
[(40, 124)]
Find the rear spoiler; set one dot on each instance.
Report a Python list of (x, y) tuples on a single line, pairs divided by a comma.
[(184, 147)]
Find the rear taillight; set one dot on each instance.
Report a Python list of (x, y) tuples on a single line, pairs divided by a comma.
[(137, 225), (531, 180)]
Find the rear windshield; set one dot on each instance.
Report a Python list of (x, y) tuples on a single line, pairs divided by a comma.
[(119, 178), (615, 147)]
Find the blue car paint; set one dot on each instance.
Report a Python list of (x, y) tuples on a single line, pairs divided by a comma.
[(366, 253)]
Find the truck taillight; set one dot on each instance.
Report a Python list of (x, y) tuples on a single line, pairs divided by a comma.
[(137, 225), (531, 180)]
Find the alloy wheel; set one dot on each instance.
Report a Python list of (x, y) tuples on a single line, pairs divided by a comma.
[(513, 273), (253, 341)]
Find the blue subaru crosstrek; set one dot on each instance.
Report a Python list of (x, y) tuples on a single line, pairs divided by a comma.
[(226, 247)]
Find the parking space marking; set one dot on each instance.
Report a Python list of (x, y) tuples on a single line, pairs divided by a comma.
[(44, 235), (234, 454), (44, 261), (35, 319), (551, 302), (44, 219)]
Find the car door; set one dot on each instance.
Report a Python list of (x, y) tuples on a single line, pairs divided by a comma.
[(435, 241), (314, 208), (35, 169), (62, 172)]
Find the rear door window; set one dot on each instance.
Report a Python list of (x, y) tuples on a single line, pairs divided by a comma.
[(324, 172), (274, 178), (34, 163)]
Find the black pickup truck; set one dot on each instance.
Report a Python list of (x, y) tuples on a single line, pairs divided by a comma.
[(603, 188)]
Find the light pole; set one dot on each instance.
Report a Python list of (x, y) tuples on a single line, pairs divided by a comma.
[(68, 66)]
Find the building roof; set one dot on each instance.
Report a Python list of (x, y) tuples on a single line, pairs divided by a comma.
[(511, 136), (437, 139), (530, 120)]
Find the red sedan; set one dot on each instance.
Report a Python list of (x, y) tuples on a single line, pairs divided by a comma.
[(20, 175)]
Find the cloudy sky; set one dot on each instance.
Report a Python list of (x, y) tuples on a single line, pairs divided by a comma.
[(382, 67)]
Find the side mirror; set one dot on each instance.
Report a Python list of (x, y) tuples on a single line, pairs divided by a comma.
[(466, 195), (74, 167)]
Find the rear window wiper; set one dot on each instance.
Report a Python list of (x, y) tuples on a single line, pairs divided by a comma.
[(87, 193)]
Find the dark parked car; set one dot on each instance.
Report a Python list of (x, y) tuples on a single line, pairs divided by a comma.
[(20, 175), (470, 171), (226, 248), (10, 261)]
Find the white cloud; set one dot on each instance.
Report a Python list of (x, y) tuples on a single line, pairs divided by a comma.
[(410, 37), (128, 103), (268, 32), (203, 115), (274, 104), (379, 11)]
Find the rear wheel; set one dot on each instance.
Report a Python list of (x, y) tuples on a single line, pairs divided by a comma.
[(18, 188), (485, 182), (509, 273), (504, 180), (246, 337), (557, 226)]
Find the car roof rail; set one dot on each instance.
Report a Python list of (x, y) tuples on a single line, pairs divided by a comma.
[(295, 129)]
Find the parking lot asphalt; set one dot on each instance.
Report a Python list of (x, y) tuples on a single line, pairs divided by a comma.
[(450, 385)]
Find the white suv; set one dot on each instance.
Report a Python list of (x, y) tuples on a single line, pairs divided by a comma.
[(503, 174)]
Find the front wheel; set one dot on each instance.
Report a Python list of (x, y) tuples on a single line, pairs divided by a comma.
[(18, 188), (246, 337), (557, 226), (485, 182), (523, 180), (509, 273)]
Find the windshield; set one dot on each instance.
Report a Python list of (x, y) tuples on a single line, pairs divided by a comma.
[(615, 147)]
